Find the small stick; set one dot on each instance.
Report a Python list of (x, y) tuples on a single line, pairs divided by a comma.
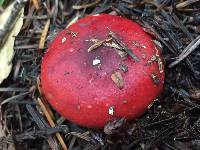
[(44, 34), (189, 49), (85, 5), (185, 3), (52, 124), (36, 4), (124, 46), (41, 17)]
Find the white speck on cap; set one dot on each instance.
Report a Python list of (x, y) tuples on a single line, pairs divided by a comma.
[(96, 61), (71, 50), (111, 110), (78, 107), (96, 15), (89, 106), (63, 39)]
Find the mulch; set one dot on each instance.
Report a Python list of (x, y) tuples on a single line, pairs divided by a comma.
[(172, 122)]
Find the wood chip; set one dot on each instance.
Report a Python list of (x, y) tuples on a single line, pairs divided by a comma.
[(118, 79), (44, 34)]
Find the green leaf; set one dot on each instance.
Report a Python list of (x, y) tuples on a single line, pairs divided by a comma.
[(1, 2)]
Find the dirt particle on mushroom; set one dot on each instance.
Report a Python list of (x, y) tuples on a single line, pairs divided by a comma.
[(158, 44), (111, 110), (117, 79), (156, 58), (73, 34), (153, 58), (155, 78), (137, 44), (144, 56), (66, 73), (123, 67), (160, 65)]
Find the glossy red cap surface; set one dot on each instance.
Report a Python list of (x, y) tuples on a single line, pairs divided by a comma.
[(84, 86)]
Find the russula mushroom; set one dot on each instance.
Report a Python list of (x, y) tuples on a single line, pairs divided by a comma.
[(100, 68)]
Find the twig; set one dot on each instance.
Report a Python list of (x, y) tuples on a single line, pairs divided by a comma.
[(12, 89), (74, 19), (55, 12), (162, 134), (86, 5), (124, 46), (71, 145), (33, 46), (186, 100), (182, 27), (44, 34), (185, 3), (52, 124), (84, 136), (159, 37), (38, 17), (188, 50), (14, 97)]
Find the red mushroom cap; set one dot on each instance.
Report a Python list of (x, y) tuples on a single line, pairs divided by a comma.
[(92, 88)]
